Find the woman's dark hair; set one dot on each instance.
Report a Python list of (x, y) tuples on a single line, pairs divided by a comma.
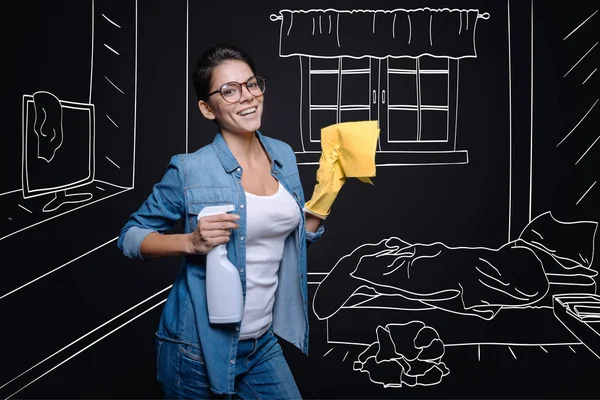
[(211, 59)]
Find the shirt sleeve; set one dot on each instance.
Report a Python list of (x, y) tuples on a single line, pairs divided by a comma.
[(163, 208), (312, 237)]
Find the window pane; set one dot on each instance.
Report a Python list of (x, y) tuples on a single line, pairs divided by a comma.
[(356, 63), (324, 90), (434, 125), (402, 89), (356, 89), (402, 125), (426, 62), (324, 63), (434, 89), (402, 63), (354, 115), (320, 119)]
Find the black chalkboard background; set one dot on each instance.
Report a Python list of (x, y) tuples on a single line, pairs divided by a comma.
[(79, 318)]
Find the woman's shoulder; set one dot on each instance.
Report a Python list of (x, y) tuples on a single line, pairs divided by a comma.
[(199, 167), (199, 155), (278, 146)]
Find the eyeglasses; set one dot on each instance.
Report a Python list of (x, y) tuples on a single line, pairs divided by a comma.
[(232, 91)]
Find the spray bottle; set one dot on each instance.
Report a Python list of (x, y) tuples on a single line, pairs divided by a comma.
[(224, 295)]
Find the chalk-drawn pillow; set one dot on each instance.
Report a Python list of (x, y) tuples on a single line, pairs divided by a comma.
[(565, 240)]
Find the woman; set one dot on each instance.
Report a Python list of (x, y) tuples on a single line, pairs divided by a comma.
[(266, 241)]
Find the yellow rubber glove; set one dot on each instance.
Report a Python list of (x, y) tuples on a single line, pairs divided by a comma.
[(347, 151)]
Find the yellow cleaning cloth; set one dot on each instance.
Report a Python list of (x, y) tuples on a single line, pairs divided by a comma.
[(347, 151)]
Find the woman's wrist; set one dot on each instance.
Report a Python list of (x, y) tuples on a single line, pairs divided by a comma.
[(312, 222)]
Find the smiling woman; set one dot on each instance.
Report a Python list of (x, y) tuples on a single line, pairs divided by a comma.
[(266, 237), (234, 102)]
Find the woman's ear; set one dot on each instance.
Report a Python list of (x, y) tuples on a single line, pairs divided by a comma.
[(205, 110)]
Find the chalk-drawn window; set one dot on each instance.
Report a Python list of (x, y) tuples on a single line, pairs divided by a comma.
[(417, 97), (399, 67), (324, 95), (408, 96), (355, 93), (339, 91), (432, 99)]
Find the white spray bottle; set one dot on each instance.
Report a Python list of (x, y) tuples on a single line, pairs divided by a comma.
[(224, 295)]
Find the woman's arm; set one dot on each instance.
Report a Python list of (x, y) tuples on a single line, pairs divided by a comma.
[(312, 222), (156, 244), (211, 231), (143, 237)]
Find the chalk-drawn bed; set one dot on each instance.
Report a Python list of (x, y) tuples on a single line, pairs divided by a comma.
[(469, 295)]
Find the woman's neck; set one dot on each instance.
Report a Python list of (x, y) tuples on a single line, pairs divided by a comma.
[(246, 148)]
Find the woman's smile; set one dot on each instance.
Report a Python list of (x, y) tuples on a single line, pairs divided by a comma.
[(247, 111)]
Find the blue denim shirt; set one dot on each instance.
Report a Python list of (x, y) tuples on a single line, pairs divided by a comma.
[(212, 176)]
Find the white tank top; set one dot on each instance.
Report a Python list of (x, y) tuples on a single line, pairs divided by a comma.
[(269, 220)]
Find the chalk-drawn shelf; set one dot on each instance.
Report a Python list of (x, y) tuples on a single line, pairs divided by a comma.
[(580, 314), (400, 158)]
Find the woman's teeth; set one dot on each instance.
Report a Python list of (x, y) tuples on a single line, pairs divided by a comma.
[(248, 111)]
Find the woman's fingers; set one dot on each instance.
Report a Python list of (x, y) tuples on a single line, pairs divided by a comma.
[(217, 240), (219, 222), (213, 230), (224, 217), (214, 233), (216, 229)]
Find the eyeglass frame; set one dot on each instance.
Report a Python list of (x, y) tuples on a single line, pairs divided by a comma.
[(241, 88)]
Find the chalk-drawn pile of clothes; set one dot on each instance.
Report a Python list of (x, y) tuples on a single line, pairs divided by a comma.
[(404, 354)]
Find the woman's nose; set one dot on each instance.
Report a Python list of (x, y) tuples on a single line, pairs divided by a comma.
[(246, 93)]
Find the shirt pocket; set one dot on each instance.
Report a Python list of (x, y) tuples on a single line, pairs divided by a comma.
[(199, 198)]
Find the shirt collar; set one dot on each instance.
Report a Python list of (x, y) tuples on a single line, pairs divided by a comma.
[(228, 160)]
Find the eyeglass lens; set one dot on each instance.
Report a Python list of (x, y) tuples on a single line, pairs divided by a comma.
[(232, 91)]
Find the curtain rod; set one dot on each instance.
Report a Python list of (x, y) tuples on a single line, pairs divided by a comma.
[(279, 17)]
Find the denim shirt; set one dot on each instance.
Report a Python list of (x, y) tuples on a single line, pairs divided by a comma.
[(208, 177)]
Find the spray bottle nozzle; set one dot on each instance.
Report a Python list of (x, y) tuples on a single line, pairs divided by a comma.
[(214, 210)]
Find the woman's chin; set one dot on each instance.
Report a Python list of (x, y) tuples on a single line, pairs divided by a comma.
[(251, 126)]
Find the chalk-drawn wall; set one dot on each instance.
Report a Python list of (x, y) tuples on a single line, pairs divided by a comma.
[(77, 133), (467, 270)]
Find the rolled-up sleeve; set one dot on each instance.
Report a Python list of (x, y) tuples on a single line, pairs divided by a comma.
[(159, 212), (132, 241), (312, 237)]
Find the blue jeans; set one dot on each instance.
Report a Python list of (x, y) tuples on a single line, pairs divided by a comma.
[(261, 371)]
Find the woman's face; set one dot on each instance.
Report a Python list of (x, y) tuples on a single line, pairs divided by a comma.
[(241, 117)]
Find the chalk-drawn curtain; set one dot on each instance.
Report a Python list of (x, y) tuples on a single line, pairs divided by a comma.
[(379, 33)]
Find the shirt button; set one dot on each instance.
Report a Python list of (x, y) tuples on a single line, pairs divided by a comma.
[(241, 206), (232, 362), (241, 269), (237, 328), (239, 169), (241, 238), (275, 172)]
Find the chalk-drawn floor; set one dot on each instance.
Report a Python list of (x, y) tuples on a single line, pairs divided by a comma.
[(506, 371), (475, 370), (18, 214)]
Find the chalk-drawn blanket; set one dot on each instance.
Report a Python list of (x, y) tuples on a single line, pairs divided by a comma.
[(549, 257)]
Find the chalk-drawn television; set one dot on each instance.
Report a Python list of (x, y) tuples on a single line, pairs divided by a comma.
[(57, 149)]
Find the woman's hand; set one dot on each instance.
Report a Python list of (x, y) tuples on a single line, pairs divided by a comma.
[(212, 231)]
